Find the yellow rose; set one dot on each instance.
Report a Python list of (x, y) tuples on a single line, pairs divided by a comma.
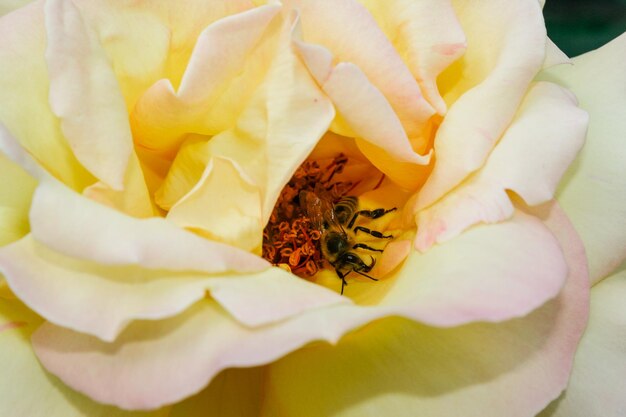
[(150, 151)]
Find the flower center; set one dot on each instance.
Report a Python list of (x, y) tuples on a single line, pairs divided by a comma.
[(314, 224)]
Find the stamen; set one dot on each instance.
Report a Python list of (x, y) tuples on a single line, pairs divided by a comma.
[(289, 240)]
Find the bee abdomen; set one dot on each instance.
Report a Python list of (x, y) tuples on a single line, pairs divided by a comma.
[(345, 208)]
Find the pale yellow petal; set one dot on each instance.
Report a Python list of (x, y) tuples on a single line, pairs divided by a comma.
[(26, 389), (24, 108), (427, 35), (16, 189), (596, 387), (593, 192), (398, 368), (505, 50), (224, 205)]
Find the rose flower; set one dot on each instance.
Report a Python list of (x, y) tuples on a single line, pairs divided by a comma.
[(303, 208)]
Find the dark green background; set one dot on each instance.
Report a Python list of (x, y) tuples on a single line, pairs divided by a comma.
[(578, 26)]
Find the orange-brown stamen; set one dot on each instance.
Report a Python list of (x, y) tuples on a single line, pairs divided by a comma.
[(289, 238)]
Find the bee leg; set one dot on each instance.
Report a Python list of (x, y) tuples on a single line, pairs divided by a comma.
[(342, 277), (364, 246), (372, 214), (365, 275), (374, 233)]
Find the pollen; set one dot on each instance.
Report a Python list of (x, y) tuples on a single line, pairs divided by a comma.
[(289, 240)]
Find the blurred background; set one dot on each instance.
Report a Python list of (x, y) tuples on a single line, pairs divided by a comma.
[(578, 26)]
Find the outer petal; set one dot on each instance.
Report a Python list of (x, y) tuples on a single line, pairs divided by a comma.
[(596, 388), (122, 240), (506, 46), (101, 300), (152, 244), (400, 368), (594, 190), (24, 108), (85, 95), (28, 390), (530, 159), (155, 363)]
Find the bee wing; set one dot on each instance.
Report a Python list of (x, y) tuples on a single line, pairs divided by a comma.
[(313, 207), (319, 210)]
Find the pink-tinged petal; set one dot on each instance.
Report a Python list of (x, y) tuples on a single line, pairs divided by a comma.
[(351, 33), (87, 230), (402, 369), (24, 108), (102, 301), (388, 147), (593, 192), (27, 389), (225, 205), (506, 47), (530, 159), (428, 36), (368, 113), (489, 273), (395, 253), (596, 387), (85, 94), (156, 363), (163, 116)]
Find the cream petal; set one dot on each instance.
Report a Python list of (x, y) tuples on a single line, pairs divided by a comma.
[(368, 113), (386, 143), (554, 56), (530, 159), (506, 47), (27, 389), (593, 192), (133, 200), (162, 116), (428, 36), (156, 363), (280, 125), (148, 41), (16, 188), (348, 30), (596, 387), (116, 239), (85, 94), (224, 205), (102, 301), (395, 367), (24, 108)]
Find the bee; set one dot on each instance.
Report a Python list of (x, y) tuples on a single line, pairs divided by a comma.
[(336, 223)]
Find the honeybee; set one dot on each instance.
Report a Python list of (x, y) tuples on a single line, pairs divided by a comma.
[(336, 223)]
